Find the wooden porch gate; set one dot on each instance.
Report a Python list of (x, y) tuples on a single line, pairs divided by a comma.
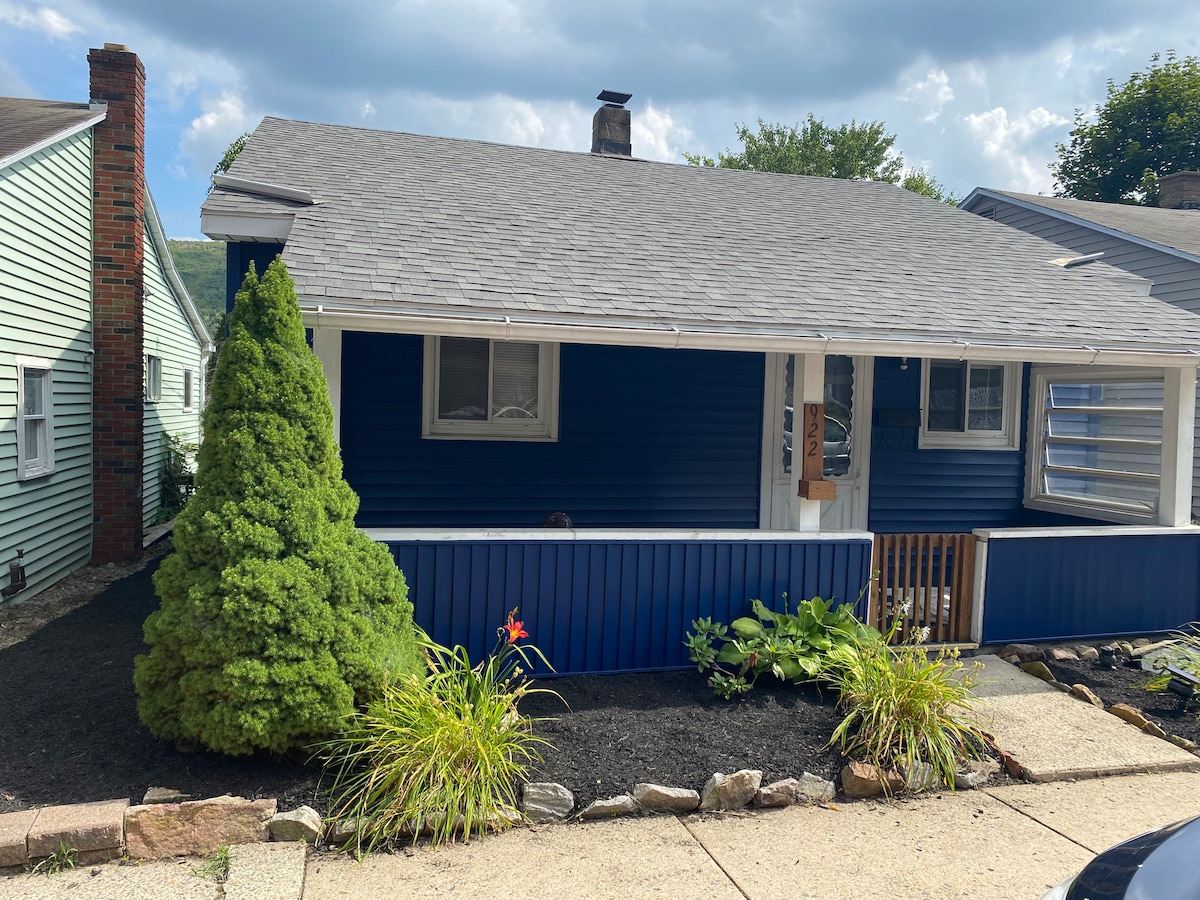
[(933, 574)]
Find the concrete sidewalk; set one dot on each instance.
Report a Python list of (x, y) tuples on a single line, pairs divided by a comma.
[(1055, 736), (1008, 842)]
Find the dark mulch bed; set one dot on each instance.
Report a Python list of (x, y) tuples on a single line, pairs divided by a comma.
[(70, 731), (1124, 685), (669, 728)]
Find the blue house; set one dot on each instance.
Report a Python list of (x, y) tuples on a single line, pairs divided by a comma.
[(733, 384)]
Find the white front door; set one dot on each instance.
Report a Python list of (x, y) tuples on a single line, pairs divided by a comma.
[(848, 390)]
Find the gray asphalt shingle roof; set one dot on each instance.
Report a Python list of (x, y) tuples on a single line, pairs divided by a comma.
[(24, 123), (418, 223), (1176, 228)]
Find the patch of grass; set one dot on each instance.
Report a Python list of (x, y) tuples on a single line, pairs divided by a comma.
[(57, 862), (904, 706), (216, 867), (441, 754)]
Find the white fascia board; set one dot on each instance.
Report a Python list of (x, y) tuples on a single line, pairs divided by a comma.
[(24, 152), (1075, 531), (1075, 220), (272, 229), (320, 312)]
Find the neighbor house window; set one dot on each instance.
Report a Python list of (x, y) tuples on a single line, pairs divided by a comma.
[(153, 378), (970, 405), (35, 425), (1095, 442), (491, 390), (189, 389)]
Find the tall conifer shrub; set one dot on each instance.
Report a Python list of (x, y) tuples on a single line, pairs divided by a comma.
[(277, 615)]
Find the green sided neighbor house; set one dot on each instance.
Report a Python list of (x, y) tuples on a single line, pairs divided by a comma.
[(102, 352)]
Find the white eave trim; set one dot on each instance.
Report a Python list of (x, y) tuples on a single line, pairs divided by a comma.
[(272, 229), (997, 197), (24, 152), (701, 336)]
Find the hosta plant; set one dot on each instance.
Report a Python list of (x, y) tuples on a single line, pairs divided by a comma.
[(790, 646), (440, 753)]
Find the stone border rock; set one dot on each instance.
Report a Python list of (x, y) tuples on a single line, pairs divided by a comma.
[(110, 829)]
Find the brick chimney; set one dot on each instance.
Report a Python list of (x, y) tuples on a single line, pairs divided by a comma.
[(118, 205), (611, 126), (1179, 190)]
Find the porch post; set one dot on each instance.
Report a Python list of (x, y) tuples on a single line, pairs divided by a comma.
[(809, 387), (1178, 440), (327, 345)]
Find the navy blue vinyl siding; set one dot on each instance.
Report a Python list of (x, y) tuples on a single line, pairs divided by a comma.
[(1059, 588), (647, 438), (915, 490), (238, 257), (614, 606)]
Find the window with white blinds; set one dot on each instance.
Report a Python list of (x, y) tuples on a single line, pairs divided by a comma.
[(481, 389), (1095, 442), (35, 423)]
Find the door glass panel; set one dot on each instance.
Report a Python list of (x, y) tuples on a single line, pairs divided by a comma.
[(839, 417)]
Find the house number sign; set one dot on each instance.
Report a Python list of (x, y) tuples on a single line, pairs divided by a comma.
[(812, 465)]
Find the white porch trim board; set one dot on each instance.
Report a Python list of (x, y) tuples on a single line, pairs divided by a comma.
[(327, 345), (1178, 447)]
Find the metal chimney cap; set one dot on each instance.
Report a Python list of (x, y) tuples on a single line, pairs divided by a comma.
[(614, 98)]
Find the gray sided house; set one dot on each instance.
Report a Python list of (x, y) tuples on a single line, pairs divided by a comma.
[(1161, 245), (88, 297), (732, 385)]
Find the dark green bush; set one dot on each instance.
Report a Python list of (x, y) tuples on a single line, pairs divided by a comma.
[(277, 615)]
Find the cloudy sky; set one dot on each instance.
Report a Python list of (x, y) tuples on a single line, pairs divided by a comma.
[(977, 91)]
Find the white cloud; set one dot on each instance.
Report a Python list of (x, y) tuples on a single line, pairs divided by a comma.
[(1013, 144), (367, 110), (656, 135), (205, 140), (931, 94), (49, 22)]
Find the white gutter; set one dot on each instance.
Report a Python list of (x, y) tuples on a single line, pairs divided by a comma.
[(704, 337), (101, 110), (263, 188)]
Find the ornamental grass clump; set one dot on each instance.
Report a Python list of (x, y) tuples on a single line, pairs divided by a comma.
[(904, 706), (277, 615), (440, 754)]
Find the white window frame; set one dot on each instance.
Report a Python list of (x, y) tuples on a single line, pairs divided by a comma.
[(154, 367), (543, 428), (1007, 438), (35, 466), (1035, 497), (189, 389)]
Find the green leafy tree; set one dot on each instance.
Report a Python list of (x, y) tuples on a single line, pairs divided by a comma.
[(921, 182), (277, 615), (858, 152), (231, 153), (1146, 128)]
